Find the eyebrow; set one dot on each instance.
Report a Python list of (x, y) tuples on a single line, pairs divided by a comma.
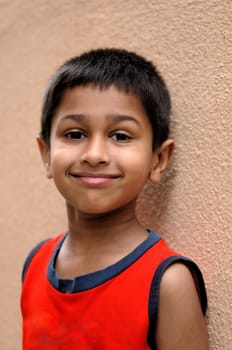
[(112, 117)]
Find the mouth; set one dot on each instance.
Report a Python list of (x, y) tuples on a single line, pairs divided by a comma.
[(94, 178)]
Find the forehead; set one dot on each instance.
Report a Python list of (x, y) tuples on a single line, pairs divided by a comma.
[(93, 100)]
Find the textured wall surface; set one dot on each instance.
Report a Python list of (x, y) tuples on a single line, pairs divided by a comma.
[(191, 43)]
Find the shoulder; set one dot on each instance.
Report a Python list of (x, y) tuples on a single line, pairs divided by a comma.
[(180, 322), (177, 286), (177, 279), (45, 243), (30, 257), (174, 267)]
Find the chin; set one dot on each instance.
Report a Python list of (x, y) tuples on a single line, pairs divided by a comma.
[(96, 211)]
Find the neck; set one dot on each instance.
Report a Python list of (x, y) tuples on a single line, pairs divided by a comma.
[(117, 227)]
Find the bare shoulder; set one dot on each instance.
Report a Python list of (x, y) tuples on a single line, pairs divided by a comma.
[(180, 324)]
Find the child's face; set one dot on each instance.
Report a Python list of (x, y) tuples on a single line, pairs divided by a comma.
[(100, 152)]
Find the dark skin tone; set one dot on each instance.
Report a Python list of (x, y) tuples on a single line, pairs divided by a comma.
[(96, 159), (91, 250)]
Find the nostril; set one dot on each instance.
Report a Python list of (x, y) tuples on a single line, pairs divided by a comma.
[(95, 156)]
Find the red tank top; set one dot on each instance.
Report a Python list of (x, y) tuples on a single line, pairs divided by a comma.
[(111, 309)]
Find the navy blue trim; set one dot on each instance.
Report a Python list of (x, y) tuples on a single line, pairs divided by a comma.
[(154, 292), (94, 279), (29, 258)]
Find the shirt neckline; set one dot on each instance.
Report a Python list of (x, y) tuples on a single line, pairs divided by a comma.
[(94, 279)]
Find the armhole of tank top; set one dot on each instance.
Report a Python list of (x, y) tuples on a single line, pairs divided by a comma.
[(154, 291), (30, 257)]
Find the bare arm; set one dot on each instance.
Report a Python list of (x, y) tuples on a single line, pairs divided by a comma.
[(181, 324)]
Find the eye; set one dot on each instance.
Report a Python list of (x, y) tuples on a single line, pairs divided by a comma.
[(121, 137), (75, 135)]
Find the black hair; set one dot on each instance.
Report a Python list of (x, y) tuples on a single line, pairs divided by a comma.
[(125, 70)]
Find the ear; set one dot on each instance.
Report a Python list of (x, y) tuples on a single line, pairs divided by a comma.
[(45, 155), (161, 160)]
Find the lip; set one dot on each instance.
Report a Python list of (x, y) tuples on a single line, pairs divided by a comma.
[(94, 178)]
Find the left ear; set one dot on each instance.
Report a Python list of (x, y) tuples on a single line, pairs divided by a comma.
[(161, 160)]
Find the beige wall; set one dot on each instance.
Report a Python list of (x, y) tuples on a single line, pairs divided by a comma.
[(191, 43)]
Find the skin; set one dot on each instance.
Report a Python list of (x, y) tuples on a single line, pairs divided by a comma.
[(96, 159)]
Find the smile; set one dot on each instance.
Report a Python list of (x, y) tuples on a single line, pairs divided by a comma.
[(94, 179)]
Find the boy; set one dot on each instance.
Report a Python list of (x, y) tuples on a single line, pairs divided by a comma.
[(108, 283)]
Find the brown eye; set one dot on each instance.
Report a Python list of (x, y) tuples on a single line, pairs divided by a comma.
[(75, 135), (121, 137)]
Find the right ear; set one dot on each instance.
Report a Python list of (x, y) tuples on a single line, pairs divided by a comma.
[(45, 155)]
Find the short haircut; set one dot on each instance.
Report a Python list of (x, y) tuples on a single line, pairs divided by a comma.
[(125, 70)]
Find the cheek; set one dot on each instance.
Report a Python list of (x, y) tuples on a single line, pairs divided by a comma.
[(61, 156), (137, 161), (137, 168), (60, 163)]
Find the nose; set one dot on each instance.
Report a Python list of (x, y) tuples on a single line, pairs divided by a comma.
[(95, 152)]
